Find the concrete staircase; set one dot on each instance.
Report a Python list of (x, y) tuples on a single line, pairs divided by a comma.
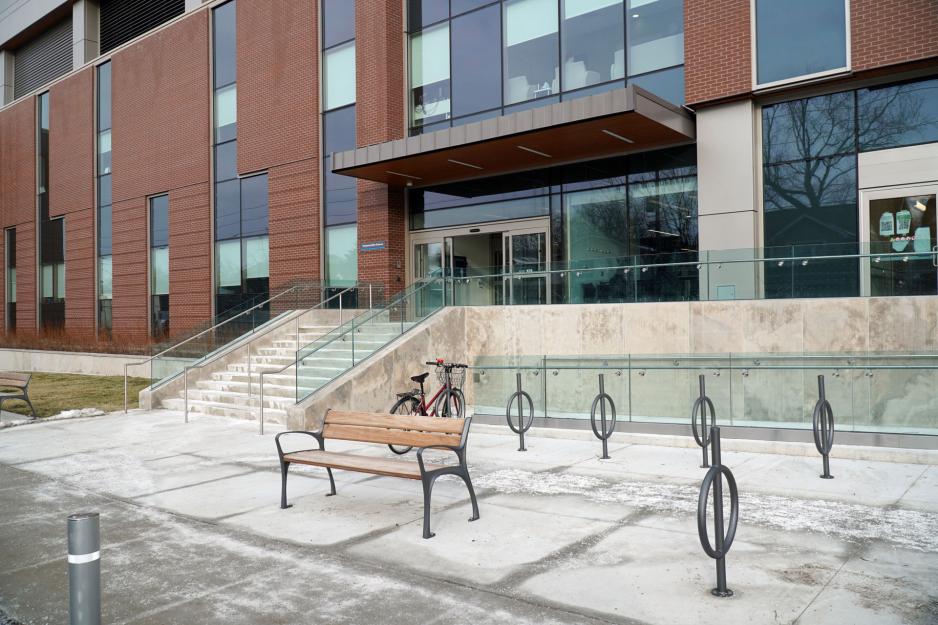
[(232, 388)]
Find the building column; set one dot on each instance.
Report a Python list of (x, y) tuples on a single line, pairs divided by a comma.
[(6, 77), (86, 32), (380, 117), (728, 200)]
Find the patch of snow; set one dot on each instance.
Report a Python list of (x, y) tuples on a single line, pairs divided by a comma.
[(79, 413), (912, 529)]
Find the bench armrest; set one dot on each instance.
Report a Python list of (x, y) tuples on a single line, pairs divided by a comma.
[(452, 448), (316, 435)]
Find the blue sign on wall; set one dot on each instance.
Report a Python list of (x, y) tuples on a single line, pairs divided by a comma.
[(373, 246)]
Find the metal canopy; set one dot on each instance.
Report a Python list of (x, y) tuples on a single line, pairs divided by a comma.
[(606, 124)]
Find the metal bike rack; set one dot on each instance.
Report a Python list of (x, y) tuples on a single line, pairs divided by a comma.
[(604, 433), (823, 425), (714, 480), (701, 404), (524, 423)]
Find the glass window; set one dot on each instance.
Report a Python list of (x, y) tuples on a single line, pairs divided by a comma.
[(104, 190), (338, 22), (254, 205), (104, 278), (531, 50), (104, 96), (104, 152), (898, 115), (228, 264), (60, 281), (226, 113), (595, 231), (799, 38), (811, 202), (159, 220), (104, 230), (663, 216), (44, 111), (47, 271), (342, 255), (341, 198), (339, 130), (423, 12), (11, 285), (808, 128), (159, 271), (226, 161), (429, 74), (225, 46), (656, 35), (340, 76), (228, 209), (476, 58), (593, 42), (256, 264), (461, 6), (667, 84)]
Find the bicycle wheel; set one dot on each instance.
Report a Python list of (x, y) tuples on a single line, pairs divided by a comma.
[(406, 405), (455, 408)]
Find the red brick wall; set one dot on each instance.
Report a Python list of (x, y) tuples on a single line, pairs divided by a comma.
[(717, 49), (161, 143), (18, 203), (379, 51), (885, 32), (278, 126), (71, 193)]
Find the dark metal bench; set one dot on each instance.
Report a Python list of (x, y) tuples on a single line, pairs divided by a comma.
[(19, 381), (386, 429)]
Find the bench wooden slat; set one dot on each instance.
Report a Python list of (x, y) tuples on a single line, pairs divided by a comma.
[(396, 422), (16, 380), (362, 464), (389, 437)]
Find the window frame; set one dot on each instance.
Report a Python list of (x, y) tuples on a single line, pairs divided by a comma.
[(805, 78)]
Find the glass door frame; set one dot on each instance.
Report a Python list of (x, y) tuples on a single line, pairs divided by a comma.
[(509, 279), (444, 237), (885, 193)]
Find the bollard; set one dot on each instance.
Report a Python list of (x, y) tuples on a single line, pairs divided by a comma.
[(524, 424), (714, 478), (84, 569), (700, 409), (823, 425), (600, 402)]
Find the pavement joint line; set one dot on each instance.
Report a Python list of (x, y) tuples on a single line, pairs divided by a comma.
[(185, 486), (190, 599), (895, 504), (821, 590), (62, 558)]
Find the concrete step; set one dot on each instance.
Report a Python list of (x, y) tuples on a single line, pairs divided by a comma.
[(270, 388), (197, 407), (239, 399)]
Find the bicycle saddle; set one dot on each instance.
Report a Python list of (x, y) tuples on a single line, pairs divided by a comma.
[(419, 378)]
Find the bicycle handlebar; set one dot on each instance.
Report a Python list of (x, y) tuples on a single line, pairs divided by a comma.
[(450, 365)]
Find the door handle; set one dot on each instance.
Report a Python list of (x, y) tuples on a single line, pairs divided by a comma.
[(934, 256)]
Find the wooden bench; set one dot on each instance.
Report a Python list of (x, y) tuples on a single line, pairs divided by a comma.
[(421, 433), (19, 381)]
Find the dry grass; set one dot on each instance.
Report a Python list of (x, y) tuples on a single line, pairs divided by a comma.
[(63, 342), (52, 393)]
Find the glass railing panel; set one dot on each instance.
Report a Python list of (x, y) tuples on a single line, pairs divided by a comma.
[(573, 384), (662, 391), (902, 394), (495, 380)]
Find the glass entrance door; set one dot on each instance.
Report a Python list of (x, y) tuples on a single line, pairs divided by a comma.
[(526, 265), (903, 239)]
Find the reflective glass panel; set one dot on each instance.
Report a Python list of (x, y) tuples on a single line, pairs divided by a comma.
[(808, 128), (799, 38), (476, 58), (227, 209), (656, 34), (224, 42), (256, 263), (429, 74), (898, 115), (338, 23), (340, 76), (104, 190), (159, 271), (342, 255), (226, 113), (595, 234), (104, 96), (104, 152), (104, 230), (104, 278), (226, 161), (228, 264), (667, 84), (159, 220), (341, 198), (423, 12), (254, 205), (532, 67), (593, 42), (906, 225)]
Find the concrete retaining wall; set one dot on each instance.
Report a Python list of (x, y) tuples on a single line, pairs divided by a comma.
[(46, 361)]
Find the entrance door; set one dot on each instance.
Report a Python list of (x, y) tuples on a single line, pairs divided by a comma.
[(527, 263), (900, 229)]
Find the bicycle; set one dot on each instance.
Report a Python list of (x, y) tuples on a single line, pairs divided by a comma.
[(447, 402)]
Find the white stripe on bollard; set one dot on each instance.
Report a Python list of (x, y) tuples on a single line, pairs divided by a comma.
[(83, 558)]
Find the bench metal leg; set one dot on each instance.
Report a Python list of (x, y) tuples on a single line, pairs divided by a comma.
[(331, 482), (472, 496), (33, 410), (427, 490), (284, 467)]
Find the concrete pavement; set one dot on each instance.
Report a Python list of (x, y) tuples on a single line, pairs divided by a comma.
[(192, 533)]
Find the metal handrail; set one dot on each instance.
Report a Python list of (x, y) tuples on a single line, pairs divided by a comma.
[(214, 327), (205, 360), (296, 362), (698, 263)]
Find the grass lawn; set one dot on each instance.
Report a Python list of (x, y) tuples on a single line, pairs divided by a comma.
[(51, 393)]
